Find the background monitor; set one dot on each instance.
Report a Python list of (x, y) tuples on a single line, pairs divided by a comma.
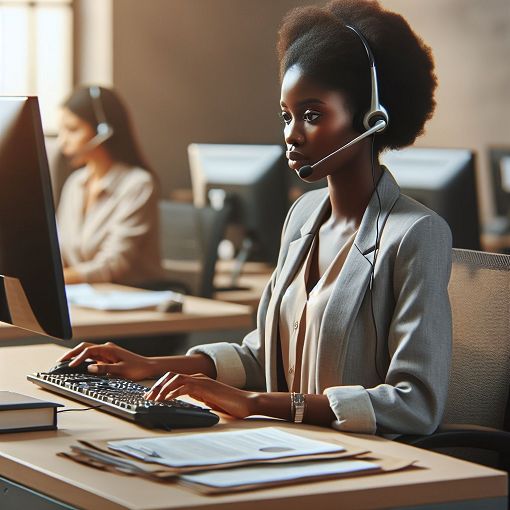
[(252, 179), (445, 181), (32, 292), (499, 164)]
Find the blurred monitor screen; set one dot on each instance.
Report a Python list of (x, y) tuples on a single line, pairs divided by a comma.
[(32, 293), (252, 180), (499, 162), (444, 180)]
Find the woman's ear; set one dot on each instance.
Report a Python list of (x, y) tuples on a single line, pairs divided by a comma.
[(357, 122)]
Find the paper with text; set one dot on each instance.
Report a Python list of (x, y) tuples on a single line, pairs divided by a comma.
[(223, 447)]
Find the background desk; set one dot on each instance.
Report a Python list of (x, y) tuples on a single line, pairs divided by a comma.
[(198, 315), (252, 281), (29, 459), (496, 243)]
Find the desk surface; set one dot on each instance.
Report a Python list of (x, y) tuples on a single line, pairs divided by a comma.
[(29, 459), (198, 314), (252, 281), (249, 293)]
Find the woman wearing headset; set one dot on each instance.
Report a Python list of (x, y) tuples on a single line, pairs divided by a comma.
[(108, 211), (354, 327)]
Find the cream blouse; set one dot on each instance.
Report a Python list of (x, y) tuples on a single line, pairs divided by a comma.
[(301, 316), (117, 238)]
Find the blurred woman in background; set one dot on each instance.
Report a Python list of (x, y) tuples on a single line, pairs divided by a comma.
[(108, 210)]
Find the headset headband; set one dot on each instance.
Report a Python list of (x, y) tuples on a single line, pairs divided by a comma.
[(377, 111), (103, 128)]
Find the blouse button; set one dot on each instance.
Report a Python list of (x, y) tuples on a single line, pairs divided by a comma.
[(291, 370), (296, 324)]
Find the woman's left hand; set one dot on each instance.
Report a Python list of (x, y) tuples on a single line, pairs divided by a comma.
[(217, 395)]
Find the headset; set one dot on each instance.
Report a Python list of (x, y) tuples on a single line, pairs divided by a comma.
[(374, 121), (377, 114), (104, 130)]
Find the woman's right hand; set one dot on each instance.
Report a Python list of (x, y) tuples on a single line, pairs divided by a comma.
[(111, 359)]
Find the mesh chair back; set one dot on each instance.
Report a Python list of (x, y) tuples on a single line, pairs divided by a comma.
[(479, 293)]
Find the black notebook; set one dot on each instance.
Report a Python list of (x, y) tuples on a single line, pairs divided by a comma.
[(20, 413)]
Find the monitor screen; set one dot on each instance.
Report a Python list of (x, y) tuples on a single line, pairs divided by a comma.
[(444, 180), (252, 178), (32, 292), (499, 161)]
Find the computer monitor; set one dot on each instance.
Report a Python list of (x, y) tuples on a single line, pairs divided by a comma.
[(499, 166), (32, 292), (445, 181), (251, 178)]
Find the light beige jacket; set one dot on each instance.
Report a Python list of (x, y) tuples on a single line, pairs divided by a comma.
[(117, 240), (412, 347)]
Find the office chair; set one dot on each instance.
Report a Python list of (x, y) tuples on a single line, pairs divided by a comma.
[(190, 236), (478, 408)]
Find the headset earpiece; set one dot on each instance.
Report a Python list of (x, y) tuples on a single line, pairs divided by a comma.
[(374, 116)]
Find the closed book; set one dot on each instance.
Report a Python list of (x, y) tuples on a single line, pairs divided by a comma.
[(19, 413)]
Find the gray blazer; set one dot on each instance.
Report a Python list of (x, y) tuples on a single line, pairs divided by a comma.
[(411, 341)]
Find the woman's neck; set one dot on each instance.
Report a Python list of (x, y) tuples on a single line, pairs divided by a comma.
[(351, 188), (99, 165)]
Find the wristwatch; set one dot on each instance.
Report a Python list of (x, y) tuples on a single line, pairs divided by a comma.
[(298, 406)]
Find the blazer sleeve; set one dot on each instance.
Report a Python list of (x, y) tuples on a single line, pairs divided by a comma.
[(412, 398), (243, 366)]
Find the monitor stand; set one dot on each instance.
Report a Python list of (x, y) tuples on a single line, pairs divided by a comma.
[(15, 308), (237, 269), (5, 315)]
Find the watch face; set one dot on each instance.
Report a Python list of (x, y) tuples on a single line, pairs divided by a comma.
[(299, 399)]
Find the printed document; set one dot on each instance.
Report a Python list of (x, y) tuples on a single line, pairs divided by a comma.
[(223, 447), (87, 296), (253, 475)]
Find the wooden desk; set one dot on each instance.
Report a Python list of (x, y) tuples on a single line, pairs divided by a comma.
[(249, 268), (198, 315), (252, 286), (252, 281), (29, 459)]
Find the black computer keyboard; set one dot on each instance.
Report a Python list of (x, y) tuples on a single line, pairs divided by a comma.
[(124, 398)]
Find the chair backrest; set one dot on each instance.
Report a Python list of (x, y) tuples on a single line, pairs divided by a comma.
[(479, 293), (189, 240)]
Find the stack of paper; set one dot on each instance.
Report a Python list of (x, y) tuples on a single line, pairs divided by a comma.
[(235, 460), (250, 477)]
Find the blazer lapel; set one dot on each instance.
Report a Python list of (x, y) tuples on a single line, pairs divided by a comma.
[(351, 286), (296, 254)]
